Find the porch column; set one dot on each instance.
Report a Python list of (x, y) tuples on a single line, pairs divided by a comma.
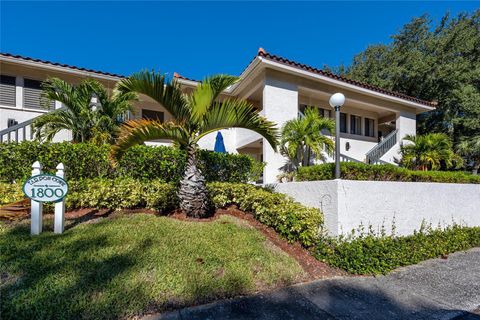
[(405, 123), (280, 104)]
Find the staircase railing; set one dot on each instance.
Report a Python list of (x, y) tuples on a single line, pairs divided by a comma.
[(25, 128), (373, 156), (344, 158)]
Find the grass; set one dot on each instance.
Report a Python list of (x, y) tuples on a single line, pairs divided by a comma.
[(128, 265)]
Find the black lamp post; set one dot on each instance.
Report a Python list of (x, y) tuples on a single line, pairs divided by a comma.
[(336, 101)]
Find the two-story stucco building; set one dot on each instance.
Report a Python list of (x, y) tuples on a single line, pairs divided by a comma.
[(373, 120)]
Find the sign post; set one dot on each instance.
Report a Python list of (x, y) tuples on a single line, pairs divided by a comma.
[(46, 188), (60, 206), (36, 214)]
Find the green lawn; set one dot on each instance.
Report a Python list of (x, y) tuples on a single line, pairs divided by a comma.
[(123, 266)]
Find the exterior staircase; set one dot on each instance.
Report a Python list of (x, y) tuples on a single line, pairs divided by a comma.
[(373, 156), (18, 133)]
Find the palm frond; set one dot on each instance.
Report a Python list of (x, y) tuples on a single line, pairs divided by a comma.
[(200, 100), (219, 83), (60, 90), (155, 85), (48, 125), (236, 113), (136, 132)]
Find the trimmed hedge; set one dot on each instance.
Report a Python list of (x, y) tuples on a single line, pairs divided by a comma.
[(384, 172), (121, 193), (88, 161), (373, 254), (290, 219)]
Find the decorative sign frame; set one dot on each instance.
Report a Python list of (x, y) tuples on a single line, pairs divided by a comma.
[(45, 188)]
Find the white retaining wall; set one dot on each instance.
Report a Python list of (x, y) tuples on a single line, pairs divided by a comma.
[(348, 204)]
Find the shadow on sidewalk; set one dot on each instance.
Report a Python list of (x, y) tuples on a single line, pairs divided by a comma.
[(327, 299)]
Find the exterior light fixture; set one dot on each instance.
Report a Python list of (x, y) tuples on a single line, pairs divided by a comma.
[(336, 101)]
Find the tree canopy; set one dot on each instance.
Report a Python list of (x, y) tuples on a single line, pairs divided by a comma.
[(436, 62)]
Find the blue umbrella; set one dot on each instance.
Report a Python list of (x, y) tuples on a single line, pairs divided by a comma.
[(219, 145)]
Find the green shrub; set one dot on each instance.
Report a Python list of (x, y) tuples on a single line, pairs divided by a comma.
[(88, 161), (121, 193), (10, 192), (373, 254), (386, 172), (292, 220)]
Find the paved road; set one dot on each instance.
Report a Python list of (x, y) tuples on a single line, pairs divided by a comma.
[(435, 289)]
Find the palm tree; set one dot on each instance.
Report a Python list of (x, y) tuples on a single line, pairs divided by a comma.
[(303, 138), (469, 147), (428, 152), (99, 125), (195, 115)]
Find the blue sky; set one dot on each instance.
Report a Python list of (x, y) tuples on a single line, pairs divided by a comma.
[(201, 38)]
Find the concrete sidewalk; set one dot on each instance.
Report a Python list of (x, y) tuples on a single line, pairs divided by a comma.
[(435, 289)]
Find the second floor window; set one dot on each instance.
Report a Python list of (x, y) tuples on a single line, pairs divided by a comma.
[(369, 127), (32, 95), (324, 113), (7, 90), (355, 124), (343, 122)]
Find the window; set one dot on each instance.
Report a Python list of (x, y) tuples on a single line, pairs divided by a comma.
[(153, 115), (369, 127), (32, 95), (7, 90), (355, 124), (343, 122), (324, 113)]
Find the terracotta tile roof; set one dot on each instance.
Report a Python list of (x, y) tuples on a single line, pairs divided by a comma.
[(262, 53), (179, 76), (9, 55)]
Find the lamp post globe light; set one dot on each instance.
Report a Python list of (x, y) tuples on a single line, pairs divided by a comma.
[(336, 101)]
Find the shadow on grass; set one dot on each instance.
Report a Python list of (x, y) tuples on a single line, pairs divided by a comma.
[(88, 275), (53, 280)]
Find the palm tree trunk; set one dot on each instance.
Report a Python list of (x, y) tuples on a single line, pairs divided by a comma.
[(193, 194)]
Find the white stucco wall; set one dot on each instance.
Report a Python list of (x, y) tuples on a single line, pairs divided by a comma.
[(280, 104), (21, 115), (348, 204), (245, 137), (406, 123)]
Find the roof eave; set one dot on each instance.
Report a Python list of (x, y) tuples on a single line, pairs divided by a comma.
[(420, 108), (58, 68)]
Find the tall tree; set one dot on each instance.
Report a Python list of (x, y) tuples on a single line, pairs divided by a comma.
[(99, 124), (470, 149), (195, 115), (438, 63)]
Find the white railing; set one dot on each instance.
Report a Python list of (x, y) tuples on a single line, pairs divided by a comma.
[(373, 156), (18, 133), (344, 158)]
